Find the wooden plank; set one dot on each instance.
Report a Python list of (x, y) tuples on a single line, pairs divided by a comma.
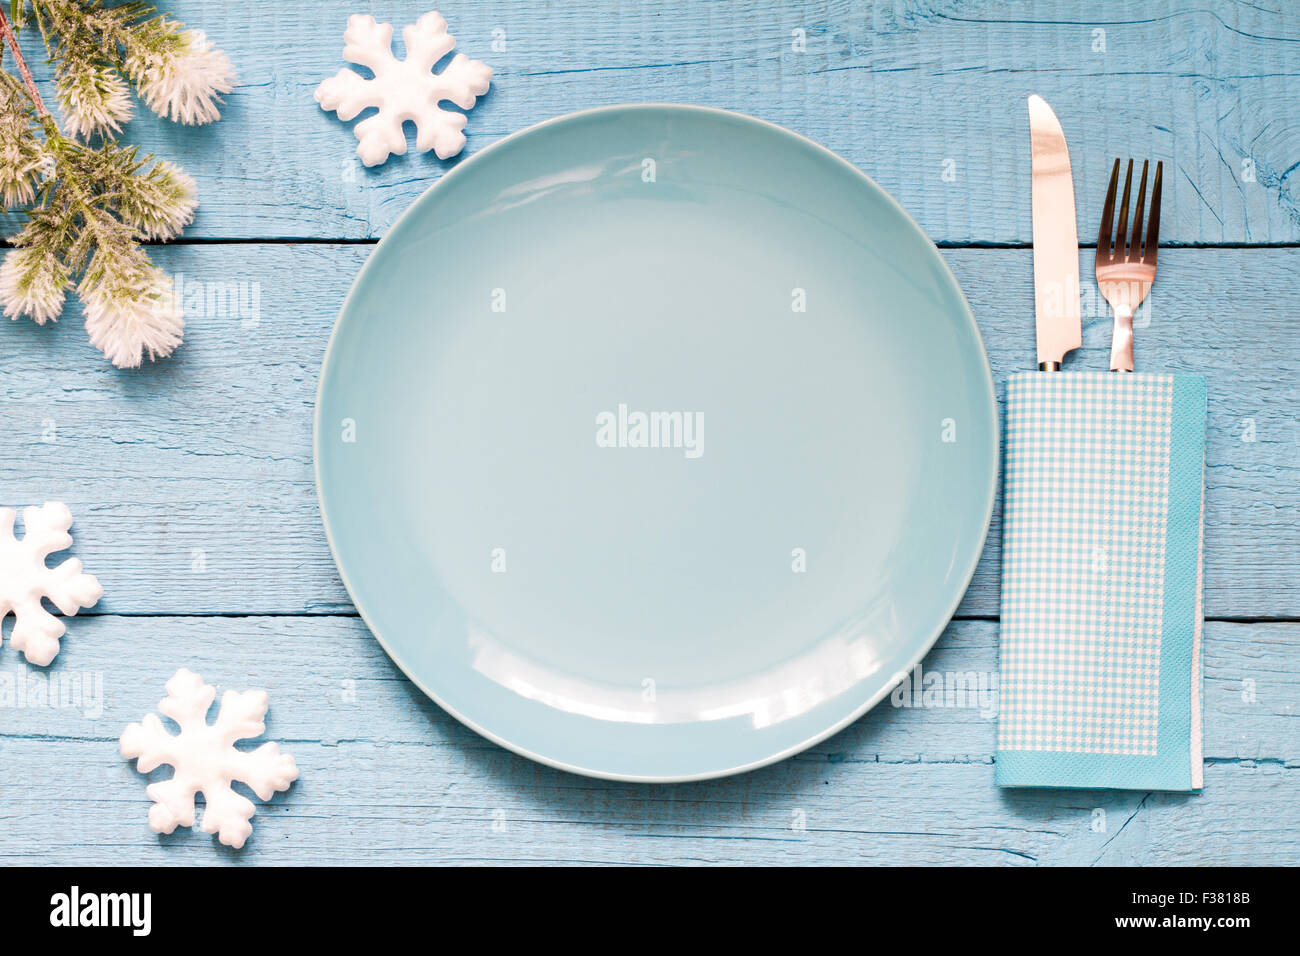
[(332, 682), (192, 486), (388, 777), (927, 98)]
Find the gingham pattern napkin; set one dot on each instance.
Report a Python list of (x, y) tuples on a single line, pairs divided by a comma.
[(1101, 581)]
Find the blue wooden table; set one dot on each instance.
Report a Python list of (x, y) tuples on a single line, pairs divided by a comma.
[(191, 480)]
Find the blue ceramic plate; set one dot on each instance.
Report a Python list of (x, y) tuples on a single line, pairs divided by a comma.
[(655, 443)]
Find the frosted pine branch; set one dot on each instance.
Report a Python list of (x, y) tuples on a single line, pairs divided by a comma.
[(94, 98), (183, 83), (21, 153), (177, 72), (33, 278), (131, 313), (157, 201), (92, 202)]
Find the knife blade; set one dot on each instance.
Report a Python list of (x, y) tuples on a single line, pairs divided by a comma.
[(1056, 239)]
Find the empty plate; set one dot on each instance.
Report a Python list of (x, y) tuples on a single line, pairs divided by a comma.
[(656, 442)]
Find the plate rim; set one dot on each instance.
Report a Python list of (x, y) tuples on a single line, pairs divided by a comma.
[(813, 739)]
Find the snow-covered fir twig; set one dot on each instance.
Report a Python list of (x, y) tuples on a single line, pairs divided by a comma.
[(90, 201), (98, 47)]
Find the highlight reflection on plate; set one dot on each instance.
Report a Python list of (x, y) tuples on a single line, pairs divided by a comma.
[(654, 442)]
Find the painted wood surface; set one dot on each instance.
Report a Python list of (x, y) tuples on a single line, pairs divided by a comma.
[(191, 480)]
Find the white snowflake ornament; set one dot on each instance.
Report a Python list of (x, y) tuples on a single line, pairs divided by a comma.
[(204, 758), (404, 89), (25, 580)]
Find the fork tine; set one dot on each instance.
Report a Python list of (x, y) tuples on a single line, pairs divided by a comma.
[(1153, 227), (1107, 214), (1135, 244), (1120, 233)]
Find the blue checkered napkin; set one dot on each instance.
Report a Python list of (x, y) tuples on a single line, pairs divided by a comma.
[(1101, 581)]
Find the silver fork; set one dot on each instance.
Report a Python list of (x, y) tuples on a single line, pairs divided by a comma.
[(1125, 271)]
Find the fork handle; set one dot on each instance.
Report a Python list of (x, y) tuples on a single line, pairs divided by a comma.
[(1121, 340)]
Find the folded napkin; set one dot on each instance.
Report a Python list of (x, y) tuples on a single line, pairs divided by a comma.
[(1101, 581)]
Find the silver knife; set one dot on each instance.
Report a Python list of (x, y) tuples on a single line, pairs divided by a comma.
[(1056, 239)]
